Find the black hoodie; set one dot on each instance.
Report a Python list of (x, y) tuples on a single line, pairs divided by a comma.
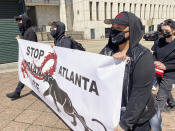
[(27, 31), (60, 39), (137, 100), (165, 53)]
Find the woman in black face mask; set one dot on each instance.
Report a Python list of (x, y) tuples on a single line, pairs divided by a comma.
[(164, 60)]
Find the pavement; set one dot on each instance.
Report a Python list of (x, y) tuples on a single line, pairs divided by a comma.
[(29, 113)]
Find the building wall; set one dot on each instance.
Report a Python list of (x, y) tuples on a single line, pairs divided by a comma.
[(151, 13), (45, 14)]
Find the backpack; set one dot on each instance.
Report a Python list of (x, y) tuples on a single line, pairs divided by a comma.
[(76, 45)]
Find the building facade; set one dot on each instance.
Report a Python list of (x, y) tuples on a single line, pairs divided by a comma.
[(88, 15)]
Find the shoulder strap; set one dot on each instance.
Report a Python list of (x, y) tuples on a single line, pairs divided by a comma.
[(167, 56)]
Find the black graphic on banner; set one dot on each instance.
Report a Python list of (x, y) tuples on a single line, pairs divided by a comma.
[(62, 98)]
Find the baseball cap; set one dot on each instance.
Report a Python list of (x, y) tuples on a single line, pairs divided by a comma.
[(121, 19)]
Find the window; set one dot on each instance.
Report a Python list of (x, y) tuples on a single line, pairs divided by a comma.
[(123, 6), (154, 10), (151, 28), (173, 11), (111, 9), (141, 11), (130, 6), (97, 10), (118, 8), (170, 11), (158, 12), (92, 33), (90, 9), (162, 11), (135, 8), (145, 11), (150, 11), (105, 10), (166, 11)]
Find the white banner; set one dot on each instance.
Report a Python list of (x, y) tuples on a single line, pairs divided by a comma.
[(83, 88)]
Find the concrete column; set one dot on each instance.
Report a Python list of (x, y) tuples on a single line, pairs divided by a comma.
[(94, 18), (69, 14), (63, 12), (127, 6)]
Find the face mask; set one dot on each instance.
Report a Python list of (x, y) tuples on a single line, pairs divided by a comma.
[(21, 29), (53, 32), (118, 37), (167, 34)]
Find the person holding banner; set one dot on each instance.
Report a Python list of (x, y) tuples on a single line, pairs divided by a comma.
[(27, 33), (137, 102), (57, 31), (164, 56)]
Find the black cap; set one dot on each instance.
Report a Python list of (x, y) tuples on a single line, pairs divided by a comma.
[(121, 19), (19, 17)]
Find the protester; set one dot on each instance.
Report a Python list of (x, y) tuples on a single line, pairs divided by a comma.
[(27, 33), (160, 34), (164, 57), (137, 102), (57, 31)]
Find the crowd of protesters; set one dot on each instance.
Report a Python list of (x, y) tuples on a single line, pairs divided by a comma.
[(140, 110)]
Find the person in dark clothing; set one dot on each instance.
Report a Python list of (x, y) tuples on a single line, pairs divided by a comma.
[(164, 57), (27, 33), (137, 106), (57, 31)]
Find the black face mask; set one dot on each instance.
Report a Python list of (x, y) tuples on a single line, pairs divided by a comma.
[(167, 34), (53, 33), (21, 29), (118, 37)]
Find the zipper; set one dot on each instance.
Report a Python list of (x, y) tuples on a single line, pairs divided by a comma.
[(128, 63)]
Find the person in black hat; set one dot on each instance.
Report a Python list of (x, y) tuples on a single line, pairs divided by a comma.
[(164, 57), (137, 106), (57, 31), (27, 33)]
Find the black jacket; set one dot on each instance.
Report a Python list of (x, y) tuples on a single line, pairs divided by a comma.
[(165, 52), (62, 41), (137, 101), (28, 33)]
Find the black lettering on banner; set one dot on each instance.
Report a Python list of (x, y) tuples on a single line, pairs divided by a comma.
[(32, 50), (72, 77), (36, 53), (85, 82), (66, 74), (28, 50), (60, 71), (64, 69), (93, 87), (41, 53), (78, 80), (36, 85)]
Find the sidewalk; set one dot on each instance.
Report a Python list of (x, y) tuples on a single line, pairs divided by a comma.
[(28, 113)]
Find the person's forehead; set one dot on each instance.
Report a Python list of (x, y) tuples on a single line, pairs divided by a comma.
[(166, 27), (19, 21), (53, 26)]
